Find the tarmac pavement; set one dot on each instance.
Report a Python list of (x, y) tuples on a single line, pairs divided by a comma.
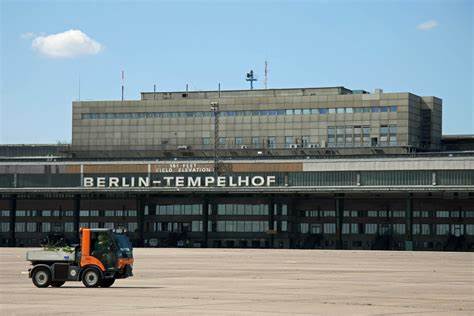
[(256, 282)]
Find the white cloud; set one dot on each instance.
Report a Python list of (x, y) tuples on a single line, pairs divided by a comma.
[(428, 25), (68, 44)]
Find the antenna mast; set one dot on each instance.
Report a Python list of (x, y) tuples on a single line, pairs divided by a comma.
[(266, 75), (251, 78), (123, 82)]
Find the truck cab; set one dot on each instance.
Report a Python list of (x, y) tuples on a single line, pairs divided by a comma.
[(103, 256)]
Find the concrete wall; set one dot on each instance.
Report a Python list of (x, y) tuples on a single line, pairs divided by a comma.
[(167, 133)]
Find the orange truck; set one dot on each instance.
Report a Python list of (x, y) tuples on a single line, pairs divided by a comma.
[(103, 256)]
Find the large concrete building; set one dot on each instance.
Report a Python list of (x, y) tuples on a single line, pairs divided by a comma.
[(271, 120), (295, 168)]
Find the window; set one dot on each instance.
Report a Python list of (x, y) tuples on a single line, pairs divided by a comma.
[(323, 111), (442, 214), (222, 141), (305, 140), (238, 141), (297, 111), (109, 213), (288, 141), (425, 229), (329, 228), (393, 108), (69, 227), (20, 227), (255, 142), (5, 213), (271, 142), (206, 141), (94, 213), (469, 229), (4, 227), (340, 110), (370, 228), (132, 227), (289, 112), (349, 110), (399, 229), (45, 227), (332, 110), (306, 111), (81, 213), (442, 229)]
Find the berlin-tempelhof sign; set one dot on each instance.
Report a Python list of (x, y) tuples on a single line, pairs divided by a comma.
[(179, 181)]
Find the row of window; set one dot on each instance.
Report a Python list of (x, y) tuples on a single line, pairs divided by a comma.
[(242, 226), (234, 209), (317, 111), (399, 229), (67, 227), (178, 209), (68, 213), (242, 209), (178, 227)]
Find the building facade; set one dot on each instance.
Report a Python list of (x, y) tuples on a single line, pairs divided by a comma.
[(270, 120), (421, 203), (308, 168)]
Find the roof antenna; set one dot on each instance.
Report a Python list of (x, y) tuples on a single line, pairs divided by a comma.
[(154, 91), (123, 82), (219, 87), (251, 78), (266, 75), (79, 88)]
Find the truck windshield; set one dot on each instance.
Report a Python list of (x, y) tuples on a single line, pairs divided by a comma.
[(124, 245)]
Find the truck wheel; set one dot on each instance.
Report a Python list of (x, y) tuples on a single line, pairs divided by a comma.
[(41, 277), (57, 283), (107, 282), (91, 277)]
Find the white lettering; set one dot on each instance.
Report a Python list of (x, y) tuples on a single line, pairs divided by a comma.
[(143, 182), (101, 182), (88, 182), (113, 182), (231, 182), (221, 181), (168, 180), (208, 181), (244, 181), (270, 180), (196, 182), (179, 181), (258, 181), (124, 183)]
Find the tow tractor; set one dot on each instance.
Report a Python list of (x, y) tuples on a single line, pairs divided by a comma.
[(103, 256)]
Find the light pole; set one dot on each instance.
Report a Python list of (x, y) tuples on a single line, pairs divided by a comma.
[(215, 111)]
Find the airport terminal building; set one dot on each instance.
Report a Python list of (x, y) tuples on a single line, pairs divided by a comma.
[(305, 168)]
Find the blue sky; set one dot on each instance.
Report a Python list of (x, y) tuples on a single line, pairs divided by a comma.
[(424, 47)]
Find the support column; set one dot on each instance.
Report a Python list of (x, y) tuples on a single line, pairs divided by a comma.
[(293, 224), (77, 210), (339, 219), (140, 221), (409, 223), (271, 221), (12, 239), (205, 222)]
